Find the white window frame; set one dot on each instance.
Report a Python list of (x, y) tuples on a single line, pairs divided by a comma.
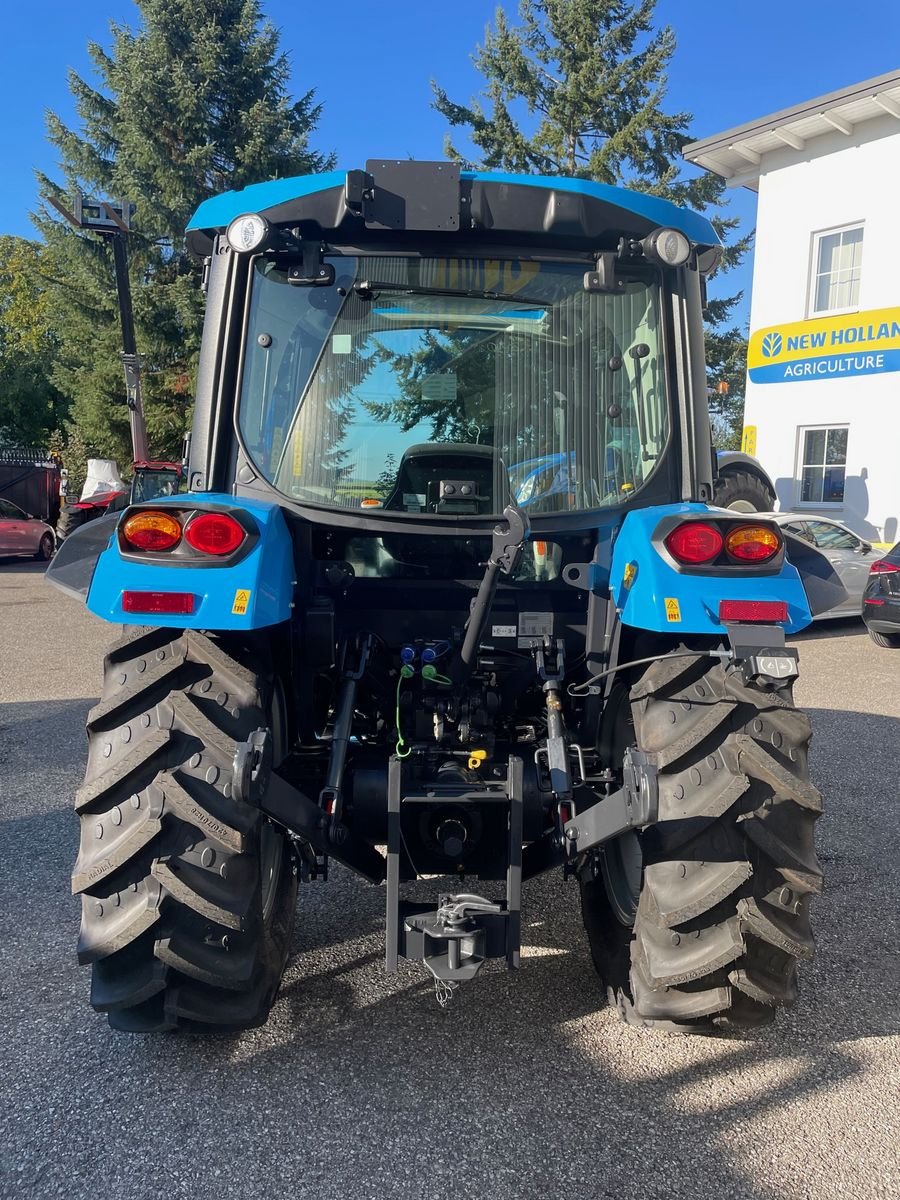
[(810, 506), (811, 311)]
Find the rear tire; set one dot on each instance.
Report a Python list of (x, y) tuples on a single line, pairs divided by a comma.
[(72, 518), (890, 641), (743, 492), (188, 896), (720, 910)]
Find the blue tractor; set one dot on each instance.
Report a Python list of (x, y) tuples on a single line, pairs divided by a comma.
[(355, 640)]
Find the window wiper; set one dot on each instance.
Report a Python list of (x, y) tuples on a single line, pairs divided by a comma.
[(368, 289)]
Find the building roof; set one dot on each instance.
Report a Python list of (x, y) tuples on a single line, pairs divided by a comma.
[(736, 153)]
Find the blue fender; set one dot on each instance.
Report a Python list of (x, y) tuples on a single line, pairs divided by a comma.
[(251, 593), (650, 593)]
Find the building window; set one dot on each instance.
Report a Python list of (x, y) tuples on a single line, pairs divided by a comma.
[(823, 464), (836, 270)]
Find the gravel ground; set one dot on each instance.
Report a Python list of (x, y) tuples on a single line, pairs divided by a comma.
[(361, 1086)]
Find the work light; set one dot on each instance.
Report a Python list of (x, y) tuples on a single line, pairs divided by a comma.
[(668, 247), (247, 232)]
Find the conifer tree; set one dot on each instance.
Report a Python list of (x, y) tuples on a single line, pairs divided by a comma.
[(30, 405), (192, 102), (577, 88)]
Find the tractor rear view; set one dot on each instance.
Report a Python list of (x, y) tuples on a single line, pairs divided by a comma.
[(445, 599)]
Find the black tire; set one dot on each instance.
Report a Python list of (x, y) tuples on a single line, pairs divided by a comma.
[(743, 492), (188, 896), (720, 887), (72, 518), (890, 641), (46, 548)]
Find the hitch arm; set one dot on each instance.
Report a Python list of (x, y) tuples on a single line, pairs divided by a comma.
[(632, 806), (506, 550)]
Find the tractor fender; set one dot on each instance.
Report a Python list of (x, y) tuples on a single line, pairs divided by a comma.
[(250, 590), (650, 592)]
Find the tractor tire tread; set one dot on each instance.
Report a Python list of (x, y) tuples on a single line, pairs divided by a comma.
[(168, 868)]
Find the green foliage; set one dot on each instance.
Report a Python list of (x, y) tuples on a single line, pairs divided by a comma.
[(726, 362), (68, 444), (192, 102), (30, 405), (577, 88), (387, 480)]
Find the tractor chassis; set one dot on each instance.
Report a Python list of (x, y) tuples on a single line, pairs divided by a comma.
[(454, 937)]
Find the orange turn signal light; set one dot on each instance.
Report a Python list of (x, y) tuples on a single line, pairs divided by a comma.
[(753, 543), (150, 530)]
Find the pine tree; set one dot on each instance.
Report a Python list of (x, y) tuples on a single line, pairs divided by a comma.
[(192, 102), (577, 88), (30, 405)]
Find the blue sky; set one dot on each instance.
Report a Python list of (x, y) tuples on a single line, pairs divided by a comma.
[(734, 62)]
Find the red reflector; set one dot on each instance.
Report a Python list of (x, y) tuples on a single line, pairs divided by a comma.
[(882, 567), (181, 603), (694, 542), (753, 610), (214, 533)]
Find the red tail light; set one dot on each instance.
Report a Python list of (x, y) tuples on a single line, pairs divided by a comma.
[(753, 610), (883, 567), (694, 542), (214, 533), (174, 603)]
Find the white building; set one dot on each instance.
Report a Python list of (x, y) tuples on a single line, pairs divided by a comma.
[(822, 409)]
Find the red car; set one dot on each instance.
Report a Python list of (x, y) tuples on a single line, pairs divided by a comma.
[(24, 535)]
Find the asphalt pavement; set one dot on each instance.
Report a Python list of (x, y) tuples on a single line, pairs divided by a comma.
[(361, 1086)]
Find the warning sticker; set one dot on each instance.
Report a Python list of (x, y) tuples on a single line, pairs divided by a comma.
[(241, 602), (673, 612), (503, 631)]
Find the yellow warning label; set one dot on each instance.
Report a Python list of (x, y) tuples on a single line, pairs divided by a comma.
[(673, 612), (242, 602), (748, 440)]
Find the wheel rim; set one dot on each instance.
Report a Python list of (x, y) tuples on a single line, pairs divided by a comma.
[(46, 546), (741, 506), (621, 865), (270, 860), (271, 840)]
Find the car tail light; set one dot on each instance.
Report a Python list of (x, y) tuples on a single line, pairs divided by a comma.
[(214, 533), (694, 542), (149, 530), (174, 603), (753, 543), (883, 567), (753, 610)]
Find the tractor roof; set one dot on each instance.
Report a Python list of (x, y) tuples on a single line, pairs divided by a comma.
[(536, 208)]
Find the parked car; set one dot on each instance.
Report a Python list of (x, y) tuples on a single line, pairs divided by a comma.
[(881, 600), (24, 535), (850, 555)]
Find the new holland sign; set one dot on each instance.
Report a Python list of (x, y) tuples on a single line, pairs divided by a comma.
[(865, 343)]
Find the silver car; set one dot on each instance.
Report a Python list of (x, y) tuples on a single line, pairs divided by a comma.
[(24, 535), (849, 554)]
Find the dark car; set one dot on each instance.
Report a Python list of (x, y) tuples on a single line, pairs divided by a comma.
[(881, 600)]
